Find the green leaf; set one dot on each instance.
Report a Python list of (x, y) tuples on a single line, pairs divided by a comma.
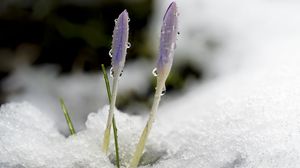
[(113, 120), (67, 116)]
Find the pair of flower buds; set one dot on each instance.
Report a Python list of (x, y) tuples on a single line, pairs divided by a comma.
[(169, 31)]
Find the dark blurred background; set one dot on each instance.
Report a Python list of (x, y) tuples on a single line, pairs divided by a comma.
[(76, 36)]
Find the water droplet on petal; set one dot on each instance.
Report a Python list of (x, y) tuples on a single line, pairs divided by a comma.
[(154, 72), (121, 73), (111, 72), (116, 20), (128, 20), (178, 33), (110, 52), (163, 92), (128, 45)]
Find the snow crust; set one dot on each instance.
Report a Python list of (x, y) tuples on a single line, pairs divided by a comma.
[(30, 138), (248, 116)]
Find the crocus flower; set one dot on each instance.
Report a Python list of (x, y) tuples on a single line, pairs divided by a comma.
[(166, 53), (168, 39), (118, 54), (120, 42)]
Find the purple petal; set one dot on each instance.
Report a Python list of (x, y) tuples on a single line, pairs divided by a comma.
[(168, 38), (120, 41)]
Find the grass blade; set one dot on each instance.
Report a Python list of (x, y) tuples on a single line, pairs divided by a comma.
[(111, 112), (113, 119), (67, 116), (106, 82)]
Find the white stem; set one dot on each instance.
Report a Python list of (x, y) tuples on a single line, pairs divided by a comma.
[(113, 100), (141, 145), (106, 137)]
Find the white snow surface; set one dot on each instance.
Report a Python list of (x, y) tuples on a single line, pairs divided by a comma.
[(248, 116), (83, 93)]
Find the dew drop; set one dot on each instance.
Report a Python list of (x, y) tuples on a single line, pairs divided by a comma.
[(163, 92), (154, 72), (128, 45), (111, 72), (121, 73), (110, 52), (178, 33), (128, 19), (116, 20)]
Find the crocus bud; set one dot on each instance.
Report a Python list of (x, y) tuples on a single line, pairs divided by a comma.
[(118, 54), (120, 43), (163, 67), (168, 39)]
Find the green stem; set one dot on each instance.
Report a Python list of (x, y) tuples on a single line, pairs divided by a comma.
[(106, 138), (113, 118), (116, 142), (67, 116)]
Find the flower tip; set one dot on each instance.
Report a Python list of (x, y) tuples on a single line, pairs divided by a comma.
[(124, 14), (173, 5), (172, 9)]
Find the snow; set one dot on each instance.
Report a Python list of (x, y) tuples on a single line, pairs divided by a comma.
[(250, 120), (30, 138), (247, 115), (83, 93)]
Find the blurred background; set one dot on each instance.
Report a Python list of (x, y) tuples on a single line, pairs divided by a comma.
[(54, 48)]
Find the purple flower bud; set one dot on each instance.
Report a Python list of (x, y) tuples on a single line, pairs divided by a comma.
[(120, 42), (168, 38)]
